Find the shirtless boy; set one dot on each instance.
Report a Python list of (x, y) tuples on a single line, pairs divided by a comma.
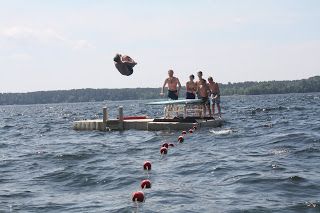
[(203, 93), (191, 87), (199, 74), (124, 64), (198, 82), (173, 86), (215, 94)]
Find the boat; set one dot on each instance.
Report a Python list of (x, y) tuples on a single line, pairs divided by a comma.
[(180, 114)]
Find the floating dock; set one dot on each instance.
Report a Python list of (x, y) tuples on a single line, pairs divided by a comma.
[(147, 124)]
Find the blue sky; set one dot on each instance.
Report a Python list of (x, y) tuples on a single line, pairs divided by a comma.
[(52, 45)]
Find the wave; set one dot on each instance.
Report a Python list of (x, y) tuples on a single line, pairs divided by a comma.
[(277, 167), (313, 149), (69, 177), (268, 109), (281, 150), (291, 137), (16, 195), (44, 130), (264, 181), (75, 156), (296, 179), (221, 132), (8, 126), (279, 108), (267, 125), (3, 145), (308, 206)]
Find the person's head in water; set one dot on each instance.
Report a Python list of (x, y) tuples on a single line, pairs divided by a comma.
[(191, 77), (199, 74), (117, 58), (170, 73)]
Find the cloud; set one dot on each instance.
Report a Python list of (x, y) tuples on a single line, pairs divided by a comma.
[(82, 44), (25, 33), (43, 36)]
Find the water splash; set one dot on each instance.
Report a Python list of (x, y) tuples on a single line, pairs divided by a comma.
[(221, 132)]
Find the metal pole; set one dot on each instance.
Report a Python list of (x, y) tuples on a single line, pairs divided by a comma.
[(120, 113), (105, 114)]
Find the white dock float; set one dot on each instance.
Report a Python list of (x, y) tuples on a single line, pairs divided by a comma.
[(147, 124), (141, 124)]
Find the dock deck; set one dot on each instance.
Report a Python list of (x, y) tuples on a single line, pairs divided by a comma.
[(142, 124), (147, 124)]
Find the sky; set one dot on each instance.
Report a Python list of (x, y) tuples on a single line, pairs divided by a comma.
[(56, 45)]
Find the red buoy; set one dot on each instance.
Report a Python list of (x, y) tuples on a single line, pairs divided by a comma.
[(180, 139), (184, 133), (147, 165), (146, 184), (138, 196), (165, 145), (194, 127), (163, 150), (171, 144), (190, 131)]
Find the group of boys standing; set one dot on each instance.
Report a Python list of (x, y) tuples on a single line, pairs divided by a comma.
[(200, 89)]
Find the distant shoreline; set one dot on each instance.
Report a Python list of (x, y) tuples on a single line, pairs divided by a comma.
[(311, 84)]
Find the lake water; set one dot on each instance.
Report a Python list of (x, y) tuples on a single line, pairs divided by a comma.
[(264, 159)]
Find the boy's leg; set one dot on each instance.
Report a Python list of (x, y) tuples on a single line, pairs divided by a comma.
[(209, 108), (213, 107)]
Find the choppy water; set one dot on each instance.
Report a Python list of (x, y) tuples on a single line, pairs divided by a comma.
[(264, 159)]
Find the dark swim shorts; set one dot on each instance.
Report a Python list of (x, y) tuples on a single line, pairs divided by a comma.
[(216, 100), (205, 100), (130, 69), (190, 95), (124, 69), (172, 94)]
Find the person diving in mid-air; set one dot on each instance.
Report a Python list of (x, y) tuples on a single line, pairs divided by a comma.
[(124, 64)]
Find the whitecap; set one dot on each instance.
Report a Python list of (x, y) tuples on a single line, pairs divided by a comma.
[(221, 132)]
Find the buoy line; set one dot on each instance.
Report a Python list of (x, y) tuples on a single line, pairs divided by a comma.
[(139, 196)]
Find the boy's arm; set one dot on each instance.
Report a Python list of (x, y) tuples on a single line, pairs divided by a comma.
[(208, 90), (218, 89), (197, 87), (162, 89), (179, 86)]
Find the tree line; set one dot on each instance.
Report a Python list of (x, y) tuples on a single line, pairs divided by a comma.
[(91, 95), (272, 87)]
